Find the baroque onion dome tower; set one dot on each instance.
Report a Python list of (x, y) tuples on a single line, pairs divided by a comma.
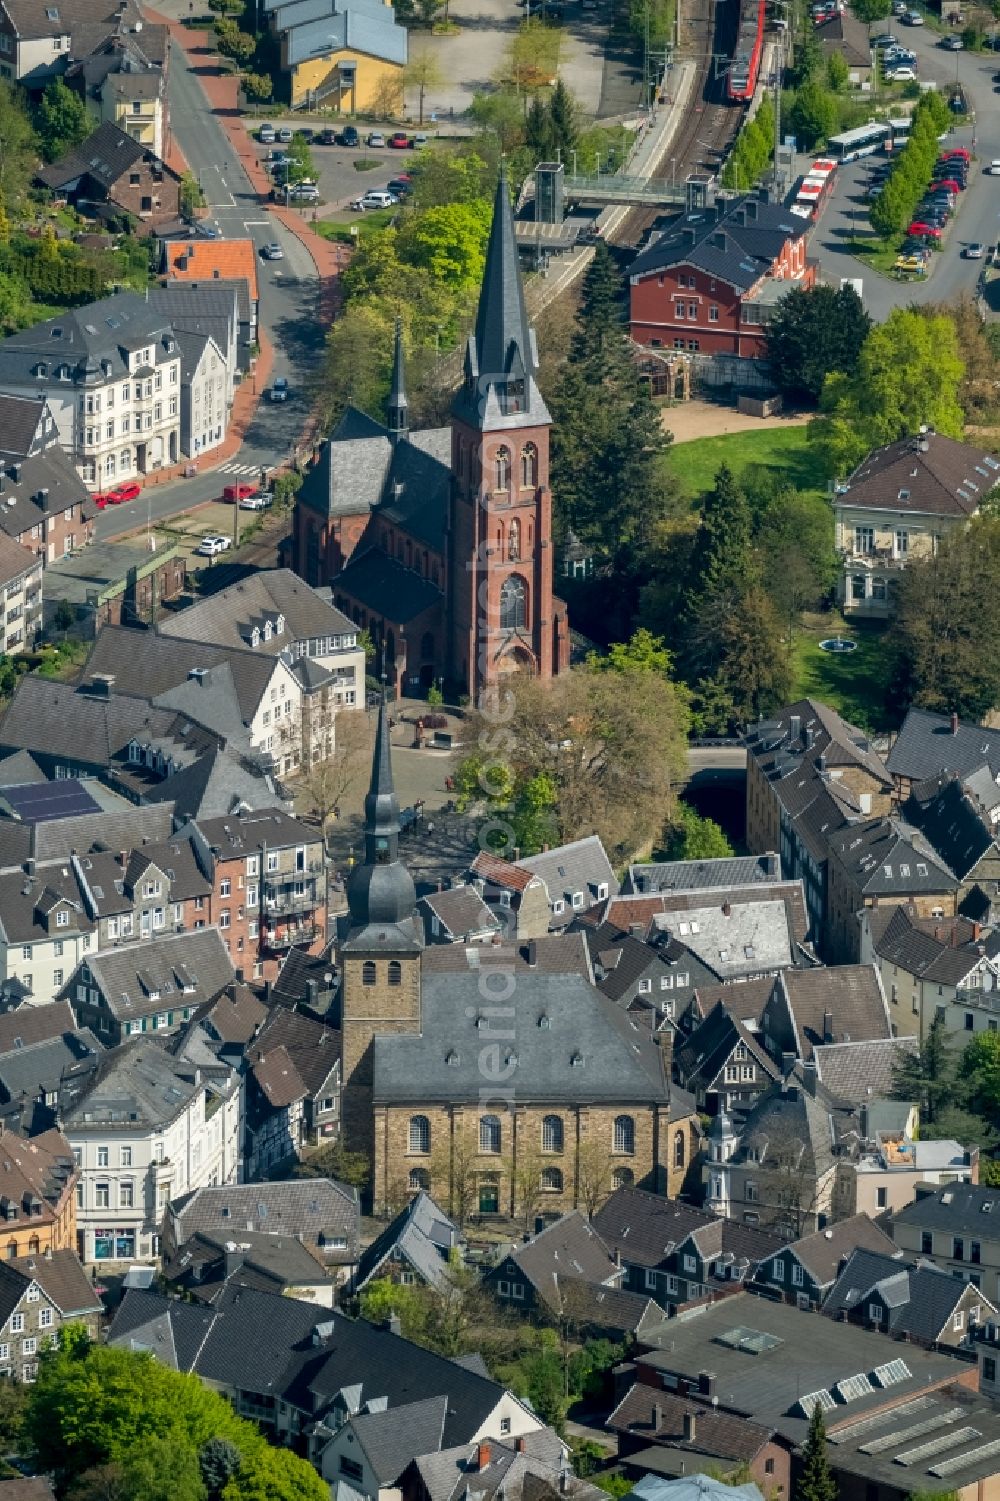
[(500, 574), (380, 957)]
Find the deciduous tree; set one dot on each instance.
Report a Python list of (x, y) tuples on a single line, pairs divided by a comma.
[(62, 121), (691, 837), (813, 333)]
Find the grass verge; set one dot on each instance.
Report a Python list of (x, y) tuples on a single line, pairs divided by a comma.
[(784, 449), (370, 223), (854, 683)]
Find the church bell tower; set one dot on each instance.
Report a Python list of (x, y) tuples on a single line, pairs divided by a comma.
[(380, 957)]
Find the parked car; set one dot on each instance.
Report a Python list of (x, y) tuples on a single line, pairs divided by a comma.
[(899, 7), (919, 227), (307, 135), (376, 138), (402, 187), (276, 155), (349, 136), (266, 134), (273, 252), (975, 251), (950, 183), (374, 198), (210, 547), (952, 43), (885, 39), (123, 493), (913, 18), (327, 138), (904, 74), (279, 390), (285, 135), (399, 140), (255, 502), (960, 151), (238, 492), (418, 140), (305, 192), (898, 55)]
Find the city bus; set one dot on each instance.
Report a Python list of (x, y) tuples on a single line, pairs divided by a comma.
[(863, 141)]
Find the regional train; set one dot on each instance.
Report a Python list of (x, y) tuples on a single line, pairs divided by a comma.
[(743, 70)]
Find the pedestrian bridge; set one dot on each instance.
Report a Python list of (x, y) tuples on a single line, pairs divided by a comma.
[(653, 192)]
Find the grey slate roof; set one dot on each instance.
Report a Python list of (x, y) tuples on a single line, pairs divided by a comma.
[(161, 974), (417, 491), (701, 875), (420, 1234), (926, 747), (823, 1253), (941, 949), (958, 1207), (582, 865), (737, 247), (618, 1061), (138, 1084), (215, 785), (392, 1437), (850, 993), (925, 475), (553, 954), (227, 618), (313, 1210), (385, 585), (735, 941), (30, 1024), (889, 856), (570, 1247), (206, 1264), (702, 1056), (149, 664), (20, 419), (951, 823), (461, 911), (644, 1228), (62, 1280), (106, 330), (919, 1299), (864, 1070), (102, 158), (39, 1068)]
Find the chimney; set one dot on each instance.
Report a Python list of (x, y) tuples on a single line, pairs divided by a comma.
[(483, 1456), (976, 932), (787, 1062), (657, 1417), (809, 735), (690, 1427), (531, 953), (827, 1026), (794, 726), (15, 473), (520, 1445), (706, 1383), (101, 684), (240, 976), (3, 477), (772, 865), (234, 1259), (312, 994), (721, 240), (727, 910), (750, 211), (954, 723)]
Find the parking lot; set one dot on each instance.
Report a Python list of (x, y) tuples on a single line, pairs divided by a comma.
[(344, 173)]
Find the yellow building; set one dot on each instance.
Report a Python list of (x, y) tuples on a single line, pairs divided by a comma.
[(347, 60)]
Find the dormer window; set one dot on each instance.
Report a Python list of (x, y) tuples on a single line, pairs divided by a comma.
[(255, 636), (279, 626)]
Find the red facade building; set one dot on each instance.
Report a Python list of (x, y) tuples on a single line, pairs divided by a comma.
[(708, 284), (439, 542)]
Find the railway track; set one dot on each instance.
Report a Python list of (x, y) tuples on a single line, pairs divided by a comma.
[(711, 123)]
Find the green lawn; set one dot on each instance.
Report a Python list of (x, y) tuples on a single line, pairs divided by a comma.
[(853, 683), (369, 222), (784, 449)]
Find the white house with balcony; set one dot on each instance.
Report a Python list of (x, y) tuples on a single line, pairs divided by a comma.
[(147, 1128), (898, 505)]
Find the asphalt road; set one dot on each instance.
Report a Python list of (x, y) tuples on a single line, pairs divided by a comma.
[(289, 290), (978, 217)]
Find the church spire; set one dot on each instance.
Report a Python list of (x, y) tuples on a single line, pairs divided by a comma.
[(398, 410), (380, 892), (501, 358)]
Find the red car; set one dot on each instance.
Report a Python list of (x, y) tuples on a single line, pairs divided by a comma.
[(399, 140), (949, 183), (238, 492), (959, 151), (918, 227)]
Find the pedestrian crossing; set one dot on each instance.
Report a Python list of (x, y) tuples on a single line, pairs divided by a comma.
[(246, 468)]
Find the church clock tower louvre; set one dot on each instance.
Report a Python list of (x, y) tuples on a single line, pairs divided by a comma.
[(503, 614), (380, 957)]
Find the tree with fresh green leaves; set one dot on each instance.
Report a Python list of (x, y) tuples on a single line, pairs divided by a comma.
[(838, 73), (276, 1475), (908, 375), (562, 116), (870, 11), (539, 135), (382, 1298), (691, 837), (816, 1482), (234, 43), (813, 333), (258, 87), (722, 563), (813, 115), (17, 144), (449, 241), (61, 120), (501, 112)]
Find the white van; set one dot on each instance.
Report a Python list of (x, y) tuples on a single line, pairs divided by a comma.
[(375, 198)]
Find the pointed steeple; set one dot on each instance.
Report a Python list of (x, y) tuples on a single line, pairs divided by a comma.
[(380, 892), (398, 408), (501, 358)]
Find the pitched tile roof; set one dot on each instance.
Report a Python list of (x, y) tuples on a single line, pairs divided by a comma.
[(701, 875), (960, 1207), (228, 617), (822, 1254), (378, 582), (927, 745), (421, 1234), (461, 911), (236, 1015), (919, 1300), (162, 974), (570, 1247), (926, 475), (147, 663), (852, 996), (644, 1228), (739, 245), (313, 1210), (502, 873), (941, 949), (62, 1279), (39, 1170), (15, 560), (205, 260), (30, 1024), (104, 157), (746, 1001), (864, 1070), (390, 1438), (660, 1416)]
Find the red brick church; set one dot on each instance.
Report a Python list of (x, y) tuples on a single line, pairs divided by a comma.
[(440, 542)]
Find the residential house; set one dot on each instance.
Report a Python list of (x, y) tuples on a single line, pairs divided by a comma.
[(678, 1254), (292, 1090), (33, 1078), (883, 1173), (735, 941), (344, 60), (958, 817), (843, 35), (45, 928), (113, 583), (146, 1129), (903, 498), (671, 1435), (230, 1022), (809, 773), (45, 505), (268, 875), (655, 982), (112, 170), (124, 79), (881, 862), (931, 967), (38, 42), (809, 1008), (320, 1213), (152, 986), (305, 1371), (414, 1248), (114, 393), (21, 583), (723, 1064), (577, 876), (710, 284), (39, 1296), (929, 745), (805, 1271), (645, 878), (206, 262), (908, 1300), (458, 915), (862, 1072), (534, 1464), (40, 1190), (207, 1265), (952, 1226), (518, 899)]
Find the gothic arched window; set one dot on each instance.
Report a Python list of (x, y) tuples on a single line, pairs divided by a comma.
[(501, 466), (529, 465), (514, 541), (513, 603)]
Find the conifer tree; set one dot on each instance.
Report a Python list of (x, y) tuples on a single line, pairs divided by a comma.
[(816, 1483)]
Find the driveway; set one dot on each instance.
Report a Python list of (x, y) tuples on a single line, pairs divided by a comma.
[(978, 217)]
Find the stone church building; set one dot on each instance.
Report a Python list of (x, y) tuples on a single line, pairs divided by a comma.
[(440, 542), (497, 1085)]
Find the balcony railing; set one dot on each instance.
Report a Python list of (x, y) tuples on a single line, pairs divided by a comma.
[(289, 935), (874, 557), (289, 901)]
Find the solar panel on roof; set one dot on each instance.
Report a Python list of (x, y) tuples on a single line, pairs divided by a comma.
[(38, 802)]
